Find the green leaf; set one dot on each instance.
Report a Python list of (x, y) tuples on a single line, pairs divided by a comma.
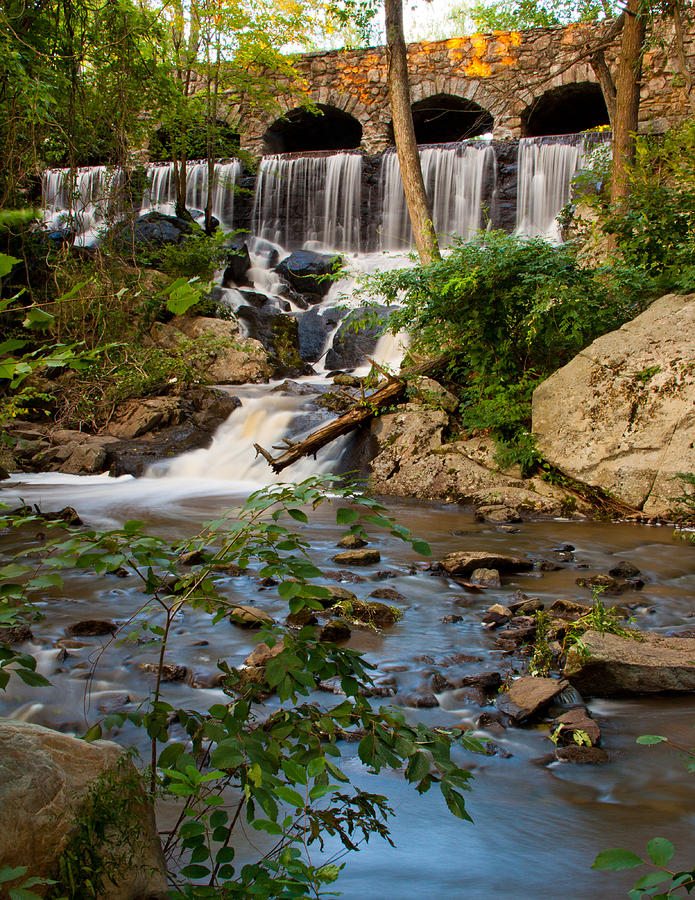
[(651, 739), (294, 771), (344, 516), (38, 319), (418, 767), (422, 547), (299, 515), (660, 851), (7, 263), (290, 796), (616, 860), (33, 679), (20, 893), (652, 879), (195, 871), (8, 873)]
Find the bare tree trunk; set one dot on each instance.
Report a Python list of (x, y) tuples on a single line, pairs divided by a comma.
[(404, 134), (605, 79), (627, 89)]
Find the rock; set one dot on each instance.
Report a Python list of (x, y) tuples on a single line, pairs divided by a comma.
[(464, 562), (491, 719), (577, 720), (238, 263), (496, 615), (45, 778), (609, 585), (15, 634), (352, 542), (337, 595), (421, 701), (644, 663), (262, 654), (309, 272), (373, 614), (278, 335), (620, 415), (347, 380), (356, 338), (335, 631), (151, 228), (486, 577), (624, 569), (358, 557), (528, 697), (299, 619), (249, 616), (568, 610), (91, 628), (170, 672), (527, 607), (136, 417), (433, 395), (314, 328), (587, 756), (451, 619), (387, 594)]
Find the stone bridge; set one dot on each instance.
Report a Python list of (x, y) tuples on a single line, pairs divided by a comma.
[(510, 84)]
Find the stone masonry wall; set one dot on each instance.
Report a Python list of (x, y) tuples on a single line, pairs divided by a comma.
[(505, 73)]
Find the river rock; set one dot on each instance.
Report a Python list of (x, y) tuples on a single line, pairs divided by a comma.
[(314, 327), (486, 577), (335, 631), (624, 569), (586, 756), (609, 585), (337, 595), (431, 394), (371, 613), (621, 415), (262, 654), (309, 272), (15, 634), (91, 628), (365, 557), (356, 338), (577, 720), (529, 696), (152, 228), (44, 778), (352, 542), (464, 562), (387, 594), (238, 263), (249, 616), (411, 457), (609, 665)]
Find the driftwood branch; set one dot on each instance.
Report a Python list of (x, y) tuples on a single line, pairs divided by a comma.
[(364, 409)]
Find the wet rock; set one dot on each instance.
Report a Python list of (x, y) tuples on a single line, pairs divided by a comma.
[(352, 542), (91, 628), (387, 594), (358, 557), (624, 569), (486, 577), (356, 338), (609, 585), (568, 610), (170, 672), (496, 615), (385, 574), (249, 616), (262, 654), (346, 576), (309, 273), (151, 228), (421, 701), (299, 619), (45, 777), (547, 565), (464, 562), (574, 721), (15, 634), (68, 515), (113, 702), (373, 614), (587, 756), (296, 388), (643, 663), (314, 328), (508, 529), (337, 595), (194, 558), (238, 263), (527, 607), (451, 619), (491, 719), (497, 512), (528, 697), (493, 749), (335, 631), (347, 380)]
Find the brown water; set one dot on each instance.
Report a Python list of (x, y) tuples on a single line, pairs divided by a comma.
[(536, 829)]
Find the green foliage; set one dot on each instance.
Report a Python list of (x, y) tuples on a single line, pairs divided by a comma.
[(605, 620), (197, 256), (684, 503), (543, 657), (21, 891), (269, 769), (509, 312), (507, 15)]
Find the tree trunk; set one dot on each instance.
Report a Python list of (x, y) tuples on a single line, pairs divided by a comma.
[(404, 134), (627, 89)]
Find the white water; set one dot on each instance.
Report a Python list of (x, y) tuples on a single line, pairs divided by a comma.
[(309, 198), (454, 180), (546, 169), (161, 195), (84, 203)]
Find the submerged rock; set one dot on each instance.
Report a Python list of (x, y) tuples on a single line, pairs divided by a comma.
[(608, 665), (364, 557), (529, 696), (465, 562)]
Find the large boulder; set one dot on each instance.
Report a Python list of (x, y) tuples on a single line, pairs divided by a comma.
[(356, 338), (238, 262), (309, 272), (278, 334), (609, 665), (152, 228), (314, 328), (54, 794), (621, 415), (410, 458), (232, 359)]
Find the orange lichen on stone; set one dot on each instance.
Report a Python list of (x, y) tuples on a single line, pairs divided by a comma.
[(508, 61), (477, 68)]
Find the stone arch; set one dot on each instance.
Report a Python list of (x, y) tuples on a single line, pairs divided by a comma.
[(301, 129), (446, 118), (565, 109), (227, 142)]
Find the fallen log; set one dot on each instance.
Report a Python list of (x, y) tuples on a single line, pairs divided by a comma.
[(361, 412)]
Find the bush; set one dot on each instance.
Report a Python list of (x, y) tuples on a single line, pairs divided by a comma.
[(509, 312)]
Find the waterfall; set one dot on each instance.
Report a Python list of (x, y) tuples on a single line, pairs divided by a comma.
[(455, 180), (82, 200), (161, 194), (546, 168), (309, 198)]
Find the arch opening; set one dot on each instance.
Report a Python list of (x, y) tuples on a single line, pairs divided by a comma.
[(301, 130), (162, 142), (565, 110), (444, 118)]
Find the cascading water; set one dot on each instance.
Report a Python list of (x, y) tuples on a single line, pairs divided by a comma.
[(82, 200), (309, 198), (455, 180), (546, 169), (161, 194)]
